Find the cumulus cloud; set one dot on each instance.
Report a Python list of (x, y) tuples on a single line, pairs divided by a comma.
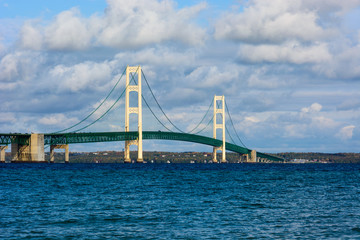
[(274, 61), (261, 78), (31, 36), (346, 132), (252, 119), (321, 122), (57, 120), (136, 23), (345, 64), (349, 104), (271, 22), (291, 52), (104, 107), (212, 76), (315, 107), (82, 76), (68, 31), (19, 66), (2, 47), (331, 6), (124, 24), (7, 117), (159, 56)]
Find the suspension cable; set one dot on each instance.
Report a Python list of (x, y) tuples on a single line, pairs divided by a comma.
[(150, 108), (133, 79), (205, 126), (227, 110), (117, 100), (159, 104), (95, 108), (202, 118), (232, 140)]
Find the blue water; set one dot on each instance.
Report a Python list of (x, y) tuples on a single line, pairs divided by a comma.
[(179, 201)]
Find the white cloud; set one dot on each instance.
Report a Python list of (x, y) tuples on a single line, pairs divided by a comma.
[(315, 107), (159, 56), (291, 52), (270, 21), (331, 6), (7, 117), (57, 120), (137, 23), (275, 62), (20, 66), (30, 36), (346, 132), (252, 119), (295, 131), (82, 76), (260, 78), (2, 47), (212, 76), (104, 107), (68, 31), (8, 68), (321, 122), (124, 24)]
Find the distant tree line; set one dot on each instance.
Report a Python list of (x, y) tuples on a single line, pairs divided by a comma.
[(195, 157), (323, 157)]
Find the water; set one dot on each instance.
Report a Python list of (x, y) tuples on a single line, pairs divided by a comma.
[(180, 201)]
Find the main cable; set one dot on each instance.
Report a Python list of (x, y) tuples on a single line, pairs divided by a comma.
[(105, 112), (133, 79), (227, 110), (95, 108), (203, 118), (153, 95), (205, 126), (159, 104)]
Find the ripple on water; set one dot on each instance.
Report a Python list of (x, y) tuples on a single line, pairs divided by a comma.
[(90, 201)]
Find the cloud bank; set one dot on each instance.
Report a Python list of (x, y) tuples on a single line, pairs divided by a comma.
[(289, 70)]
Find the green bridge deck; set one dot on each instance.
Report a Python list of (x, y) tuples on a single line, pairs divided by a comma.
[(90, 137)]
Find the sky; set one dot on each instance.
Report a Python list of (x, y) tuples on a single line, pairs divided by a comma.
[(289, 70)]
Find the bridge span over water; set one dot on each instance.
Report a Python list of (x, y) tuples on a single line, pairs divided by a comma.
[(63, 139), (30, 147)]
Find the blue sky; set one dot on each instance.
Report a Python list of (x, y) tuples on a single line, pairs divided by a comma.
[(290, 70)]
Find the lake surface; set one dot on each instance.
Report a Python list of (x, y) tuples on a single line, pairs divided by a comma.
[(180, 201)]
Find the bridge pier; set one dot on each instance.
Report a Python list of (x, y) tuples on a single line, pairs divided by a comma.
[(253, 156), (215, 154), (59, 146), (2, 153), (243, 158), (33, 152)]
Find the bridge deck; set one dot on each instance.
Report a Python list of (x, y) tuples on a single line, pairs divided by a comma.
[(71, 138)]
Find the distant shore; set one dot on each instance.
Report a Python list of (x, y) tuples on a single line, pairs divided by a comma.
[(197, 157)]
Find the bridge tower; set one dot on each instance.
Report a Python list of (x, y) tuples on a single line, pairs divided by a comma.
[(137, 110), (221, 125)]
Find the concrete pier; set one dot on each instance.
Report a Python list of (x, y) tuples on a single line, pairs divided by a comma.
[(60, 146), (2, 153), (253, 157), (34, 152)]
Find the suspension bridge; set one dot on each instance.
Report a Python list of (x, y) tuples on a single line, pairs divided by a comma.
[(31, 147)]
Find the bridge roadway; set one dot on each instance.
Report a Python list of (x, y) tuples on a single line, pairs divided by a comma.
[(90, 137)]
